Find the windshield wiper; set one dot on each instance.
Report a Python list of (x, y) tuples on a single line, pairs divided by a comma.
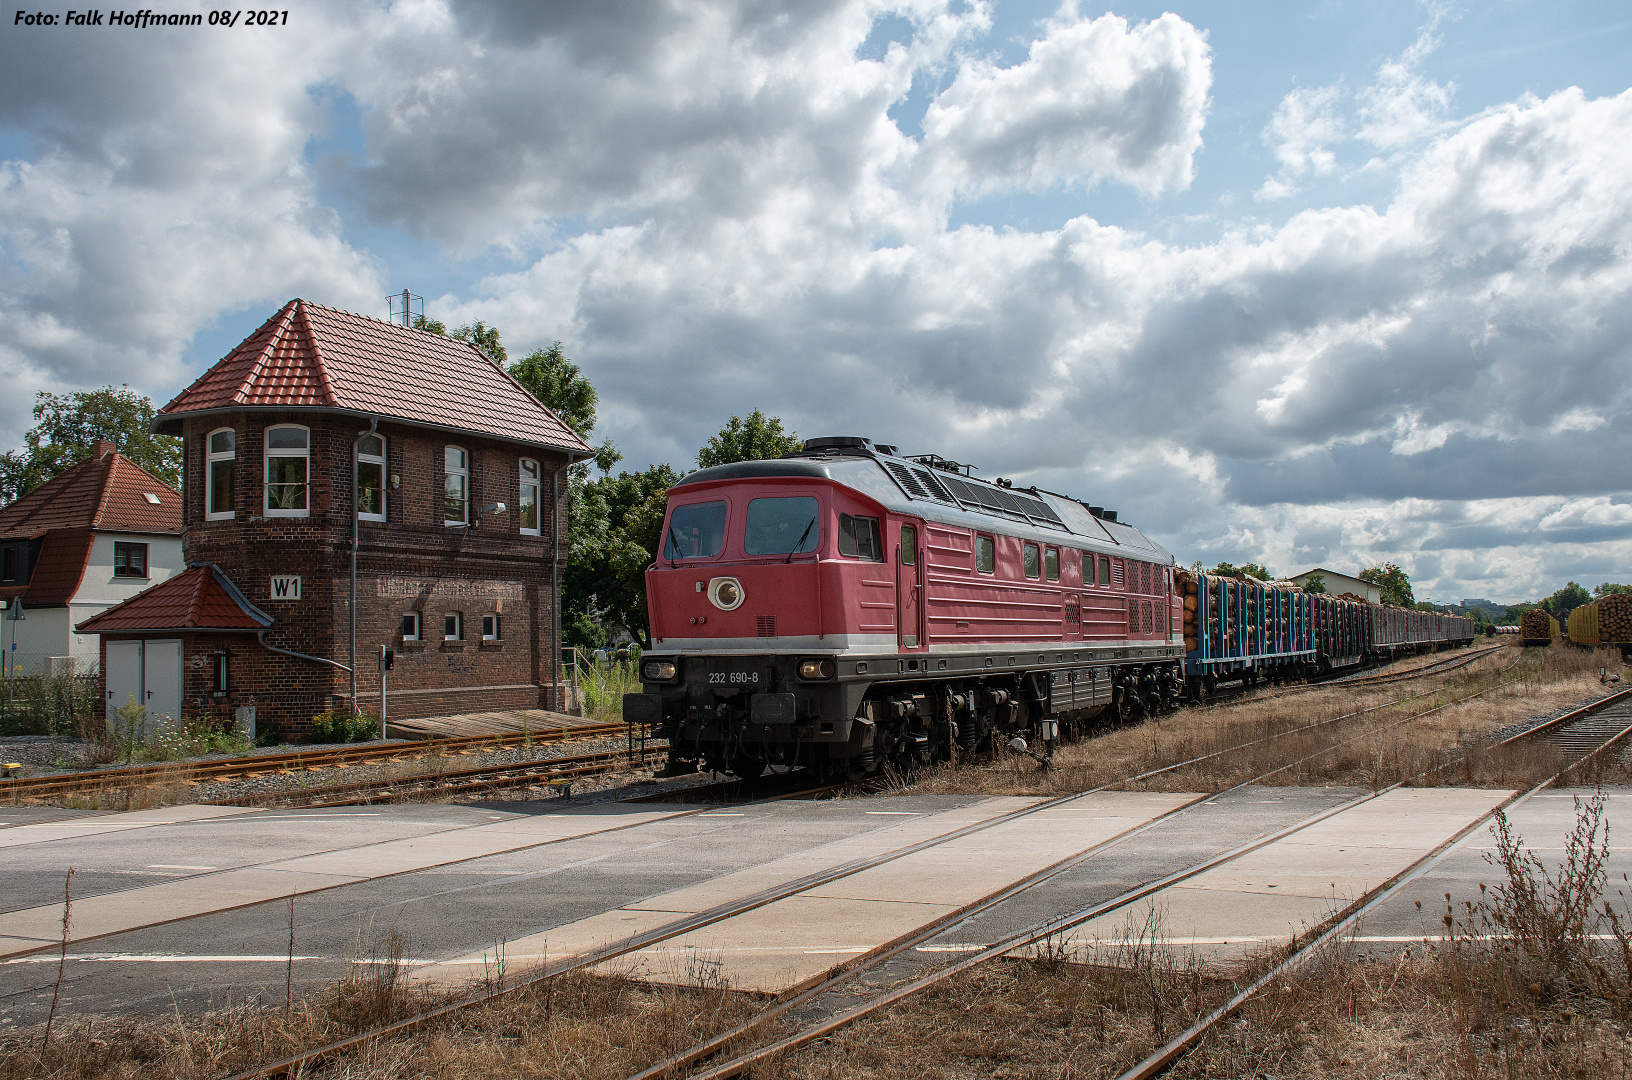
[(674, 542), (801, 541)]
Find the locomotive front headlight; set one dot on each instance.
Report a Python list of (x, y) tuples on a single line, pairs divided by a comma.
[(657, 670), (816, 669), (725, 593)]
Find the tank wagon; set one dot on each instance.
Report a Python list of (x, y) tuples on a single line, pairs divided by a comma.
[(848, 607)]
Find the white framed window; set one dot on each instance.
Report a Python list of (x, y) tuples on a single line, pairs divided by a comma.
[(288, 454), (528, 502), (371, 478), (221, 454), (490, 627), (410, 626), (453, 626), (455, 486)]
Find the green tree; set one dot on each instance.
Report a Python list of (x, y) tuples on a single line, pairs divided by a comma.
[(485, 338), (1609, 588), (616, 524), (560, 384), (753, 439), (478, 333), (1391, 579), (1250, 569), (1315, 583), (66, 426), (1570, 597)]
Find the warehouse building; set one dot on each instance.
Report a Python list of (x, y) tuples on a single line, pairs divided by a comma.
[(1337, 584), (356, 484)]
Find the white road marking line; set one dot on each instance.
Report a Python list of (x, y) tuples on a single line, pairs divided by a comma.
[(831, 952)]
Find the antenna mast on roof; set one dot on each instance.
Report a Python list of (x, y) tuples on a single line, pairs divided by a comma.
[(404, 306)]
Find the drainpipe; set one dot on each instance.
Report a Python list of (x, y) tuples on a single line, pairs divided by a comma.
[(351, 601), (555, 585), (260, 636)]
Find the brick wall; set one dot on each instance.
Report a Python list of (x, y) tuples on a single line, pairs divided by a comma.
[(409, 563)]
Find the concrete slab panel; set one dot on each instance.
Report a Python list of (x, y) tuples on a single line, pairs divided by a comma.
[(1296, 883), (435, 849), (734, 886), (105, 823), (111, 913), (781, 943)]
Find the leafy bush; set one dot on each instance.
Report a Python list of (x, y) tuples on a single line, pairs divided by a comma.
[(343, 727), (50, 705)]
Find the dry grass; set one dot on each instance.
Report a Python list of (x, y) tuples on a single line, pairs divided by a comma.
[(1385, 752), (576, 1027)]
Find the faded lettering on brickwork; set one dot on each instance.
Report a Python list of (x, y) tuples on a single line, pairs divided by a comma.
[(449, 589)]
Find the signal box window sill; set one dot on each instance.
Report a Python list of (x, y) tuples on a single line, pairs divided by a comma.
[(454, 645), (491, 643)]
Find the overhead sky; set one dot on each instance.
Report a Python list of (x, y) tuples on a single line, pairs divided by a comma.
[(1318, 283)]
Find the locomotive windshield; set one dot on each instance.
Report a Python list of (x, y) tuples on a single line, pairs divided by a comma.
[(696, 531), (781, 526)]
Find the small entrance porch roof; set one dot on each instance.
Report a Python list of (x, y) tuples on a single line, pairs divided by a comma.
[(199, 598)]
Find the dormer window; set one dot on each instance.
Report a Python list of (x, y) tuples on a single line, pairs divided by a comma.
[(223, 453), (371, 478), (152, 498), (288, 450)]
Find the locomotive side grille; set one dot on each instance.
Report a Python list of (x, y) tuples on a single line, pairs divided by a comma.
[(1117, 577), (766, 625), (909, 483), (933, 485), (1148, 619)]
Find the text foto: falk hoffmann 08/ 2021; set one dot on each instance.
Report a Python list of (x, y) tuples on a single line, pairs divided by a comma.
[(146, 17)]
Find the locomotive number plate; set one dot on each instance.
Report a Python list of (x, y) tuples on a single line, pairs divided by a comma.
[(743, 676)]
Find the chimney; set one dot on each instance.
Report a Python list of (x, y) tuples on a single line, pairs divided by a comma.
[(101, 448)]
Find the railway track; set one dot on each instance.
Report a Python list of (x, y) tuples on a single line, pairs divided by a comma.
[(1442, 666), (690, 923), (136, 776), (487, 778), (1594, 728)]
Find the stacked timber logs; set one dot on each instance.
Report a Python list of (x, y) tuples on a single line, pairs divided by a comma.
[(1606, 620), (1615, 617), (1537, 626), (1185, 582)]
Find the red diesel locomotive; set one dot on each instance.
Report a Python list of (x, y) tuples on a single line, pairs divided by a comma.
[(847, 607)]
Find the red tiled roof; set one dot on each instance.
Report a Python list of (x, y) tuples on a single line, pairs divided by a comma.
[(105, 493), (199, 598), (310, 356), (58, 570)]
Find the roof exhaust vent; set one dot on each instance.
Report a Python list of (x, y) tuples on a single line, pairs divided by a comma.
[(838, 442), (405, 307)]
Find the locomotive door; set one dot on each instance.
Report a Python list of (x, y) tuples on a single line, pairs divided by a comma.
[(909, 590)]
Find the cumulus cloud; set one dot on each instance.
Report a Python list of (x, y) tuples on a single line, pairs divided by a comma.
[(1094, 97), (711, 205)]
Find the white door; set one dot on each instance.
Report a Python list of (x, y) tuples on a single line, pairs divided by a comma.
[(124, 677), (161, 678)]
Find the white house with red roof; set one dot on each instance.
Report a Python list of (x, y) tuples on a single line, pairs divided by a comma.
[(90, 538)]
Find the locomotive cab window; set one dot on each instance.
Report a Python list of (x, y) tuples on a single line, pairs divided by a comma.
[(858, 538), (1051, 563), (909, 545), (985, 554), (1034, 561), (786, 526), (696, 531)]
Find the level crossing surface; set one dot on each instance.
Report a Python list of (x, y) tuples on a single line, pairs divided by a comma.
[(454, 886)]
